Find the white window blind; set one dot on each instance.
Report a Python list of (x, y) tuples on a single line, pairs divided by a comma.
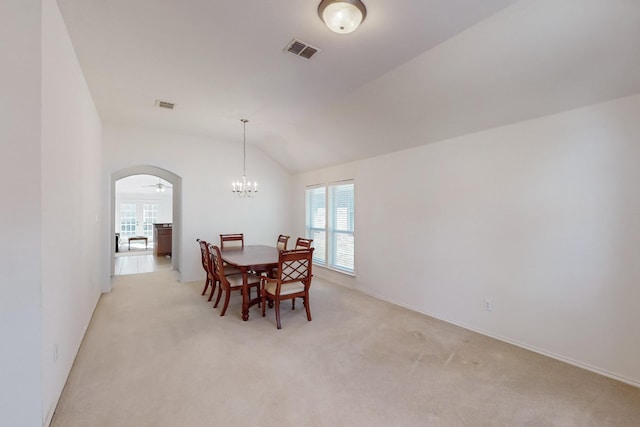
[(330, 223), (317, 221), (341, 214)]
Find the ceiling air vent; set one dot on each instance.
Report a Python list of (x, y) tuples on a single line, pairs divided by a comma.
[(165, 104), (301, 48)]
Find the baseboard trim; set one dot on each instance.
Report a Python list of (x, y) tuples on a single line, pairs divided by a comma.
[(534, 349), (51, 412)]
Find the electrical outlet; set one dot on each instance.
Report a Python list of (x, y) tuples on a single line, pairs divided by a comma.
[(488, 304)]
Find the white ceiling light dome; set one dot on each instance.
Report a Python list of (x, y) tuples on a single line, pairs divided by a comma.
[(342, 16)]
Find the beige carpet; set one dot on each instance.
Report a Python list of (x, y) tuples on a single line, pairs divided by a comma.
[(157, 354)]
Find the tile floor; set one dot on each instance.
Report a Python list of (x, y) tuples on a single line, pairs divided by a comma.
[(140, 262)]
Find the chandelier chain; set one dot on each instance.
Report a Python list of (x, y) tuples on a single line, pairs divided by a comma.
[(244, 188), (244, 146)]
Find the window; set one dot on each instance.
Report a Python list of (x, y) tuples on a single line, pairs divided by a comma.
[(330, 223), (317, 221), (135, 213), (127, 220), (149, 217)]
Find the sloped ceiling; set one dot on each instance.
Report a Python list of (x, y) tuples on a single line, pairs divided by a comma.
[(415, 72)]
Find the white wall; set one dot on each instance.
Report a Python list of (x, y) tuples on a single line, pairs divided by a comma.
[(50, 169), (543, 217), (20, 257), (71, 203), (207, 168)]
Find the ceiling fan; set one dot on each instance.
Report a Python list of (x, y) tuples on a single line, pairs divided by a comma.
[(159, 187)]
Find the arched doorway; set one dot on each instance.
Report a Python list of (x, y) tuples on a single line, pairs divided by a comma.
[(176, 183)]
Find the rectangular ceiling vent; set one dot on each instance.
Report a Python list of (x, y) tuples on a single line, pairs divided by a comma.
[(165, 104), (302, 49)]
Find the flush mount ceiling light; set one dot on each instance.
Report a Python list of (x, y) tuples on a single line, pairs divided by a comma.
[(342, 16)]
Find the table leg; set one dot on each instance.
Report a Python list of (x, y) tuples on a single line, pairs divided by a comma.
[(245, 295)]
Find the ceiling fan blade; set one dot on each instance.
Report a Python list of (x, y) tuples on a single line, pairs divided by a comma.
[(156, 186)]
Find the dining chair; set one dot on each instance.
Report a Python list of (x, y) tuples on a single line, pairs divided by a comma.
[(303, 243), (206, 264), (231, 241), (281, 244), (293, 280), (229, 283)]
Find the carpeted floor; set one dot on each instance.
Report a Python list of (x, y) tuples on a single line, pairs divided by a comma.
[(157, 354)]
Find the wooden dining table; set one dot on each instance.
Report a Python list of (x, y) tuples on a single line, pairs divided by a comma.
[(246, 259)]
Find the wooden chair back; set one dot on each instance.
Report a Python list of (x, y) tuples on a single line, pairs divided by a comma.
[(231, 240), (281, 244), (207, 264), (217, 264), (294, 266), (203, 254), (303, 243)]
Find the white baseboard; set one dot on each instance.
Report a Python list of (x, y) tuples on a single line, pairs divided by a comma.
[(543, 352)]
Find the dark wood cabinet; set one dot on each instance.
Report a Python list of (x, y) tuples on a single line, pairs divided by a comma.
[(162, 236)]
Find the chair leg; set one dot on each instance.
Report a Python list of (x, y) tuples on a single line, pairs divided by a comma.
[(278, 314), (218, 297), (306, 306), (213, 289), (206, 285), (264, 298), (226, 302), (293, 304)]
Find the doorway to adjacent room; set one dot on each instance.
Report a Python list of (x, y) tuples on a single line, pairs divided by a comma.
[(143, 205)]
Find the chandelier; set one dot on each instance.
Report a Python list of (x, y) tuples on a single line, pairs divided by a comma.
[(342, 16), (244, 188)]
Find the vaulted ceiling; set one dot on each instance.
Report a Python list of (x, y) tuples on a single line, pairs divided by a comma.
[(415, 72)]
